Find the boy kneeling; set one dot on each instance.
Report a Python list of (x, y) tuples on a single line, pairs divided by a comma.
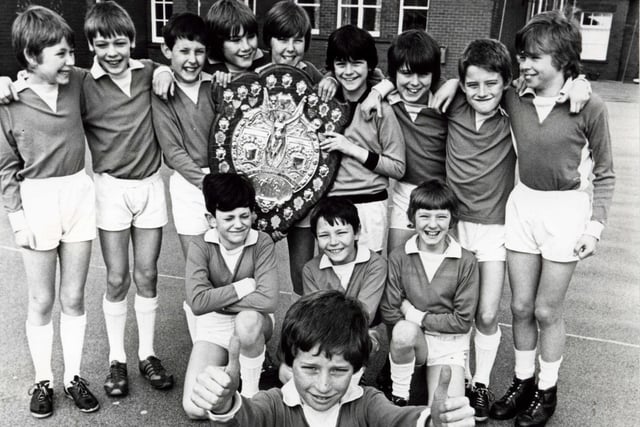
[(325, 339)]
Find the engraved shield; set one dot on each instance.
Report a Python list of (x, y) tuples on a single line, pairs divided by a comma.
[(269, 126)]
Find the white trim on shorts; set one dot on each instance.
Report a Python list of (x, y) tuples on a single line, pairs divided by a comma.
[(447, 349), (486, 241), (187, 206), (374, 224)]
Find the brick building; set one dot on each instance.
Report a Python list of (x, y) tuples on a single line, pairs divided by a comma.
[(610, 27)]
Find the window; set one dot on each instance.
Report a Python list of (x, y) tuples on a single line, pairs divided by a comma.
[(251, 4), (313, 10), (362, 13), (161, 11), (596, 28), (413, 15)]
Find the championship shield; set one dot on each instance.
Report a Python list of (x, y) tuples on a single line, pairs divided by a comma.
[(269, 126)]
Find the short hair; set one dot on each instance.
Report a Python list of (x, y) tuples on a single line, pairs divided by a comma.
[(187, 26), (555, 34), (286, 19), (351, 43), (488, 54), (331, 320), (35, 29), (335, 210), (227, 191), (418, 51), (227, 18), (108, 19), (433, 195)]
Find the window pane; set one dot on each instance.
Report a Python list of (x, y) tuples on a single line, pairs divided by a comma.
[(371, 2), (159, 11), (312, 13), (414, 20), (420, 3), (169, 11), (371, 19), (349, 16), (350, 2)]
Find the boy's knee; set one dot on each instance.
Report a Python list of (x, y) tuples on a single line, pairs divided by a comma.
[(249, 325), (145, 277), (404, 334), (72, 302), (521, 310), (41, 304), (486, 320), (547, 315), (118, 283)]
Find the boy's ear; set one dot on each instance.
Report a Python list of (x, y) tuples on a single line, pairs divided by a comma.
[(90, 46), (165, 51), (461, 84), (32, 61), (210, 219)]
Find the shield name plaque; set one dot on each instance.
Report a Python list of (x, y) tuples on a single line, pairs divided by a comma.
[(269, 126)]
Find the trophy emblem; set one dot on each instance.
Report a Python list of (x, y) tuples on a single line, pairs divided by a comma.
[(269, 126)]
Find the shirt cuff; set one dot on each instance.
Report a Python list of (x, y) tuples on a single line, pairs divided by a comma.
[(17, 220), (244, 287), (415, 316), (425, 417), (161, 69), (372, 160), (594, 228), (223, 418), (384, 88)]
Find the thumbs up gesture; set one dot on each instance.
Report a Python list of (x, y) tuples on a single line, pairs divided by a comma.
[(216, 386), (450, 411)]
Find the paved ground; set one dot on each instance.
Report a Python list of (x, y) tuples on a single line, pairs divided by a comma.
[(600, 377)]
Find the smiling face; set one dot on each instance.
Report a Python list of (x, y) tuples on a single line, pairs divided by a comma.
[(187, 59), (239, 50), (352, 76), (337, 242), (540, 73), (321, 382), (287, 50), (112, 53), (432, 226), (483, 89), (53, 65), (233, 226), (413, 87)]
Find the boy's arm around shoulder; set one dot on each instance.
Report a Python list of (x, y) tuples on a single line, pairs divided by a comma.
[(393, 292), (392, 158), (309, 282), (171, 139), (375, 278), (465, 301), (265, 296), (201, 295)]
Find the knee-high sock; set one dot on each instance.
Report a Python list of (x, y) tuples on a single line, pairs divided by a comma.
[(525, 364), (250, 370), (72, 330), (486, 350), (115, 319), (146, 317), (401, 378), (548, 376), (40, 339)]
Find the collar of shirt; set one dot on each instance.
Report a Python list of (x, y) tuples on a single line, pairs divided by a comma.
[(394, 97), (291, 397), (21, 82), (454, 250), (212, 236), (97, 71), (362, 255), (560, 98)]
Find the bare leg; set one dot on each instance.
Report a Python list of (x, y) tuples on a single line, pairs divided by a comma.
[(524, 275), (203, 354), (301, 246)]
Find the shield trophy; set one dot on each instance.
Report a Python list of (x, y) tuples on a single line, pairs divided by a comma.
[(269, 126)]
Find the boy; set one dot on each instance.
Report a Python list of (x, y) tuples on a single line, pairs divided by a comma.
[(551, 221), (373, 151), (182, 123), (324, 338), (130, 199), (49, 198), (231, 285), (431, 295), (480, 165)]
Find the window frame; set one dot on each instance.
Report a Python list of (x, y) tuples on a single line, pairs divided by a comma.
[(315, 4), (402, 9), (157, 38), (595, 29), (360, 7)]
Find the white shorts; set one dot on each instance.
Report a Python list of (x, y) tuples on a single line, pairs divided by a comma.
[(59, 209), (374, 224), (121, 203), (447, 349), (486, 241), (548, 223), (187, 206), (400, 196)]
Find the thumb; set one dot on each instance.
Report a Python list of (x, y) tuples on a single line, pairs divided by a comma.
[(442, 391), (14, 93), (233, 366)]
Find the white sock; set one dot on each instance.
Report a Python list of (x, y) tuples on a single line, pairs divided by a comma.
[(191, 320), (401, 377), (115, 319), (40, 339), (548, 376), (525, 364), (146, 317), (486, 350), (72, 336), (250, 370)]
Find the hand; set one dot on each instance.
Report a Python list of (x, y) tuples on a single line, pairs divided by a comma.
[(333, 141), (278, 235), (372, 105), (445, 94), (579, 95), (519, 84), (405, 307), (221, 78), (25, 239), (374, 340), (450, 411), (163, 85), (215, 387), (8, 92), (585, 247), (327, 88)]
